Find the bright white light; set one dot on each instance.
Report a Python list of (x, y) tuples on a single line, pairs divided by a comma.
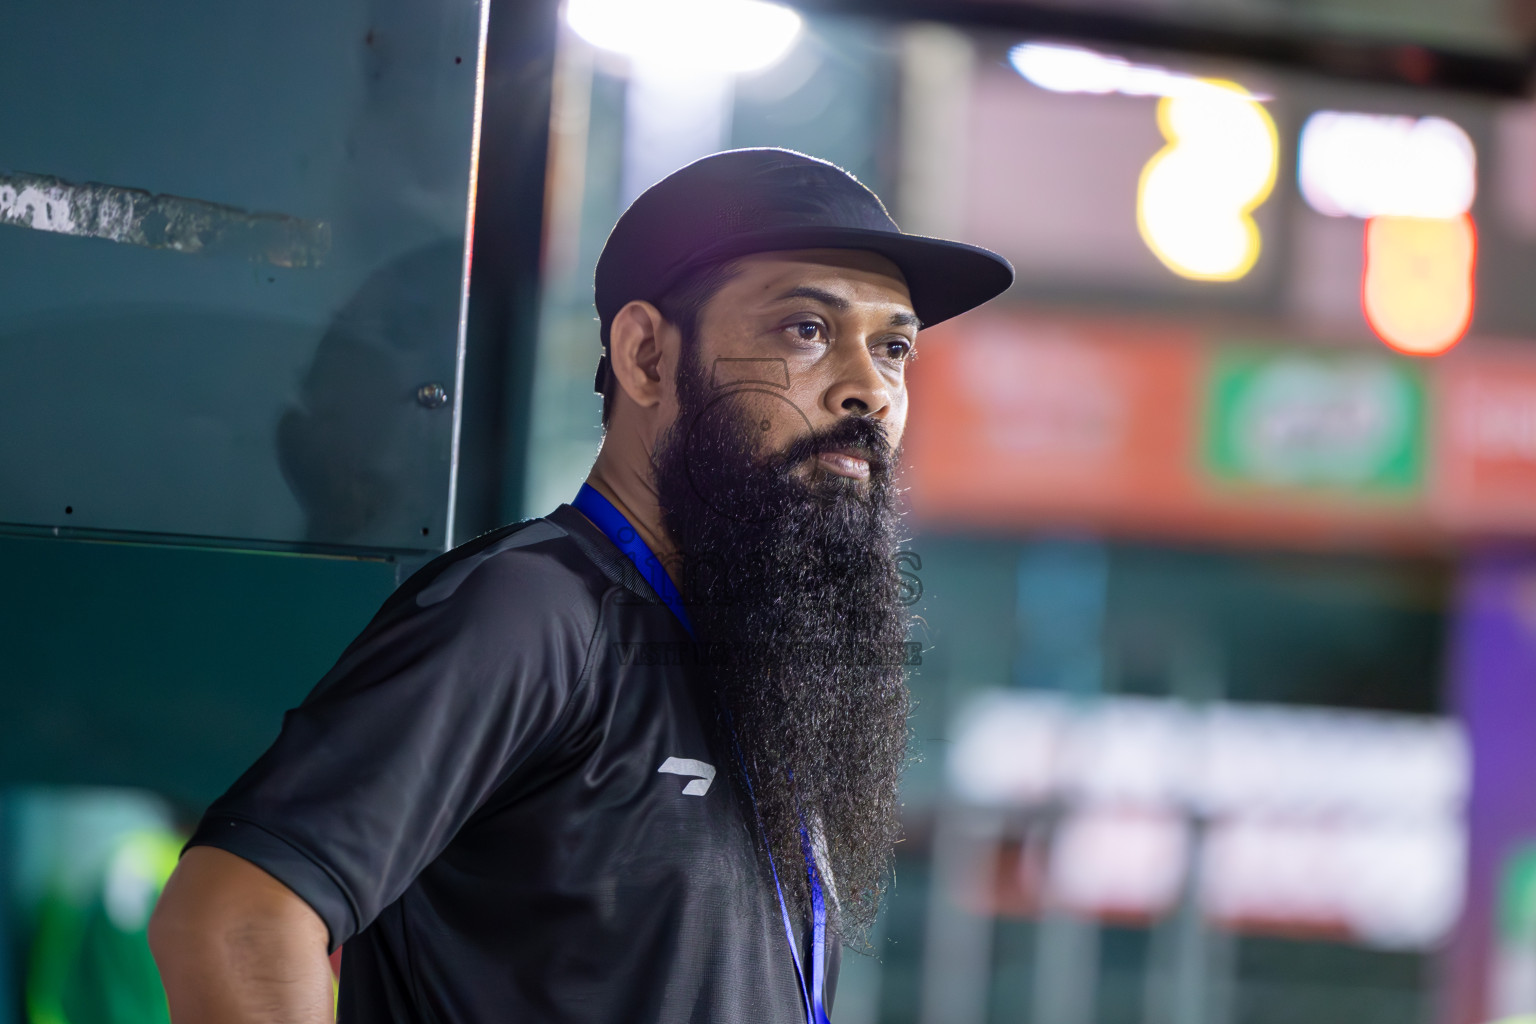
[(717, 35), (1070, 69), (1371, 165), (1318, 764), (672, 116)]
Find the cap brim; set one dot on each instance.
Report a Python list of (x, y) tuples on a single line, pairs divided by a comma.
[(944, 278)]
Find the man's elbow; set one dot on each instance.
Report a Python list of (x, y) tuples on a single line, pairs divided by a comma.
[(164, 924), (175, 927)]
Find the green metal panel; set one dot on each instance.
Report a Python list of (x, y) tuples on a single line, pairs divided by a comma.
[(164, 667), (232, 241)]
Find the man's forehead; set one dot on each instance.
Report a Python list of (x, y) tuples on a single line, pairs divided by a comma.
[(859, 272)]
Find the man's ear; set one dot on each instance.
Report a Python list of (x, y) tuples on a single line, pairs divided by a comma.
[(637, 343)]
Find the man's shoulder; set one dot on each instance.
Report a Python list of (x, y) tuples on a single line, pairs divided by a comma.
[(530, 567), (513, 596)]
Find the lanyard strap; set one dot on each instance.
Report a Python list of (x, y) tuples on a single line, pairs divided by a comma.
[(591, 503), (818, 931), (813, 1013)]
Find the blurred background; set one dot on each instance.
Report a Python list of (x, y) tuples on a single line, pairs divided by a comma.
[(1222, 522)]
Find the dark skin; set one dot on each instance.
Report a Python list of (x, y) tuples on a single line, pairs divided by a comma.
[(236, 946)]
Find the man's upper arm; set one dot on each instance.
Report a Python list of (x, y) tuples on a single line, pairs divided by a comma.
[(234, 944), (211, 886), (442, 698)]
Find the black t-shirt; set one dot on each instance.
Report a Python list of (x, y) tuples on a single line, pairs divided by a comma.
[(495, 800)]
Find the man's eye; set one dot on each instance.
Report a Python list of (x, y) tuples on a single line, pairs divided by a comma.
[(899, 349), (807, 330)]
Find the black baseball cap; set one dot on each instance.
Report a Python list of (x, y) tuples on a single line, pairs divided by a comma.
[(746, 201)]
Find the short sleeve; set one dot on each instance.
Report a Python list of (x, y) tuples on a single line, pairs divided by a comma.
[(455, 685)]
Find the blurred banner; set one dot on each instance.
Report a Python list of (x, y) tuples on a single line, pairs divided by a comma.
[(1023, 421), (1307, 822), (1205, 825)]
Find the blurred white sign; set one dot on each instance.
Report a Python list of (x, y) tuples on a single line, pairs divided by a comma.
[(1374, 165), (1319, 819)]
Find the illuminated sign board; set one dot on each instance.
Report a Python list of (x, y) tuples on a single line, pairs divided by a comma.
[(1413, 180)]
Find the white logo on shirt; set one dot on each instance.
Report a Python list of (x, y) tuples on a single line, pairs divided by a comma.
[(703, 773)]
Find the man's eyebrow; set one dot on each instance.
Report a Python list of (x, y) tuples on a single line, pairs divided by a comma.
[(842, 305), (806, 291)]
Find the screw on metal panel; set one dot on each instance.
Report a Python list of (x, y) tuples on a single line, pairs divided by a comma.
[(433, 396)]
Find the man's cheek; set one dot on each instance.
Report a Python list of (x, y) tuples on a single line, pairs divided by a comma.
[(771, 421)]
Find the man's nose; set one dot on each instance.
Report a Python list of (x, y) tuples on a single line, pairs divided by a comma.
[(859, 389)]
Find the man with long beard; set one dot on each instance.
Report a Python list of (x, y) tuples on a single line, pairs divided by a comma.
[(503, 797)]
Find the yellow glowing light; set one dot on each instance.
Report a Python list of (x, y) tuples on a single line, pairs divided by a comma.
[(1195, 202), (1418, 285)]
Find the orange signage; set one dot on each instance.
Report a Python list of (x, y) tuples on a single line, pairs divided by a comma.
[(1485, 456), (1038, 422), (1015, 420)]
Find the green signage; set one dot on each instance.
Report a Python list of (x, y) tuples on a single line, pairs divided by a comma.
[(1281, 418)]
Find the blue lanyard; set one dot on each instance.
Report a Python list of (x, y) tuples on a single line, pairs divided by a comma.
[(591, 503), (815, 1011)]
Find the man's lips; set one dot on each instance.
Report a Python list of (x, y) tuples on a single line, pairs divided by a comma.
[(852, 462)]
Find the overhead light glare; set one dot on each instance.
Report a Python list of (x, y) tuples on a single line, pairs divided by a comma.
[(1373, 165), (734, 36), (1077, 69)]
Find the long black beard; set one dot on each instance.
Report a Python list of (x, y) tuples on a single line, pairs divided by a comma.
[(794, 590)]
